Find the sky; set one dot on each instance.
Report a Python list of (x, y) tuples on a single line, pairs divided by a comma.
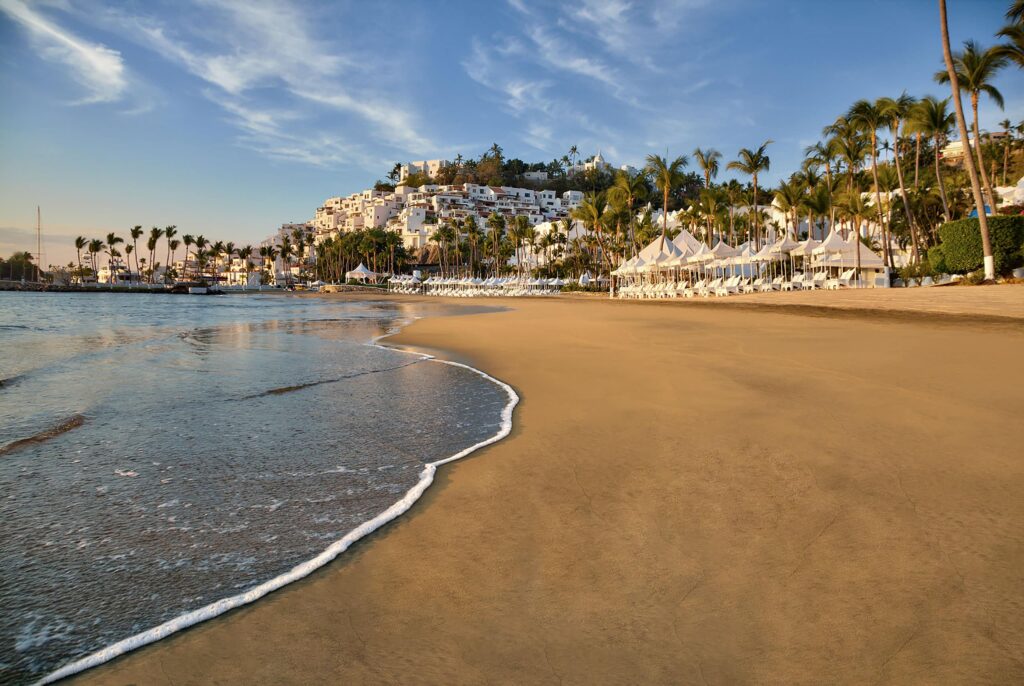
[(229, 118)]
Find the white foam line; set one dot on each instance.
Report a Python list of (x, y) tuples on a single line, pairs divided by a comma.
[(308, 567)]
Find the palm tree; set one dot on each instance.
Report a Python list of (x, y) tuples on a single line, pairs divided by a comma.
[(590, 212), (1014, 50), (824, 154), (188, 240), (953, 77), (789, 199), (80, 244), (1005, 125), (932, 119), (136, 233), (628, 190), (865, 115), (200, 242), (169, 233), (897, 111), (975, 71), (172, 246), (752, 162), (95, 247), (667, 177), (707, 160), (857, 209), (112, 241), (154, 235), (244, 254)]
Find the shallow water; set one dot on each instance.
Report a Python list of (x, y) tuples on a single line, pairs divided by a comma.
[(223, 441)]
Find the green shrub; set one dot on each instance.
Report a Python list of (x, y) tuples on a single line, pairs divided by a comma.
[(961, 243), (937, 260)]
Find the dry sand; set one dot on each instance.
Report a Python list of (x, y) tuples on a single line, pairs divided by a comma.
[(690, 495)]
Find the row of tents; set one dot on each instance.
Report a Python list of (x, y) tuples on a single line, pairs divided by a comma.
[(684, 256)]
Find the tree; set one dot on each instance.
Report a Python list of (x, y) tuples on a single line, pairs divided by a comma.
[(932, 119), (953, 77), (752, 162), (629, 189), (136, 233), (112, 241), (169, 233), (94, 248), (244, 254), (188, 240), (897, 111), (1005, 125), (667, 176), (80, 244), (975, 71), (154, 236), (866, 116), (1013, 51)]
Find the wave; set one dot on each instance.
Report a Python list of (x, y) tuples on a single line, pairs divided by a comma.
[(306, 568), (72, 422)]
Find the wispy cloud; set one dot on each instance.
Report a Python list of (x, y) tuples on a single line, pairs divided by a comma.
[(257, 52), (97, 68)]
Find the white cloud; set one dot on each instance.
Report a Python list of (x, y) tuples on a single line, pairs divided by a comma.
[(250, 52), (97, 68)]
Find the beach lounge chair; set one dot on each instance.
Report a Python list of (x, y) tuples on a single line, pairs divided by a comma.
[(794, 283)]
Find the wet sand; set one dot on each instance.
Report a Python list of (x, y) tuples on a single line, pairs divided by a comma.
[(690, 494)]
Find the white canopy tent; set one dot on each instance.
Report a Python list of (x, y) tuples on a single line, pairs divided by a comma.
[(360, 273)]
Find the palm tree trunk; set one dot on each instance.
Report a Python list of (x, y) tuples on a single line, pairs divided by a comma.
[(917, 159), (1006, 155), (903, 194), (981, 159), (664, 217), (878, 203), (954, 82), (938, 179), (756, 226)]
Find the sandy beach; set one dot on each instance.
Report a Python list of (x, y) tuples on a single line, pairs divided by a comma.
[(691, 494)]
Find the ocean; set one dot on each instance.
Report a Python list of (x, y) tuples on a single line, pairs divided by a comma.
[(187, 454)]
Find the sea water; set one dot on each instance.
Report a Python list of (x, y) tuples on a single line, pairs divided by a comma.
[(191, 450)]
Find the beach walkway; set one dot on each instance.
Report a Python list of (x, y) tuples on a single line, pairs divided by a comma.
[(705, 495)]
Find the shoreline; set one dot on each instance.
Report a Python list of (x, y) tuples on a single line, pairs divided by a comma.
[(307, 567), (627, 532)]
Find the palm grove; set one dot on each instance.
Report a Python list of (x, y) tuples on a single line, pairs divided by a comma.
[(878, 163)]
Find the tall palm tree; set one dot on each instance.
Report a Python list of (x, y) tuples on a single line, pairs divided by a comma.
[(154, 235), (136, 233), (200, 242), (953, 77), (932, 118), (590, 212), (866, 116), (188, 240), (80, 244), (789, 199), (667, 177), (169, 233), (95, 247), (629, 189), (824, 154), (1005, 125), (897, 111), (708, 161), (752, 162), (112, 241), (976, 69), (172, 246), (244, 254)]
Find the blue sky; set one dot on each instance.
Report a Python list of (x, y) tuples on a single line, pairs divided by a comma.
[(229, 118)]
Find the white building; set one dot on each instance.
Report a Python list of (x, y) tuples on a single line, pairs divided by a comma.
[(428, 167)]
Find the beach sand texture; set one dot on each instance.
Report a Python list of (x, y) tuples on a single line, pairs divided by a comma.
[(689, 495)]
